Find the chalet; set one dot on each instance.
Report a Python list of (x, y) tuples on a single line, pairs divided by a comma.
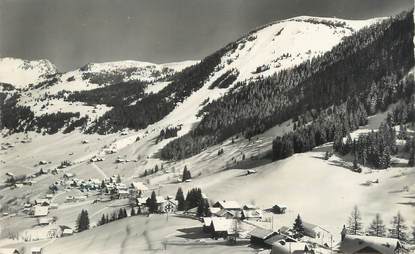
[(352, 244), (36, 250), (9, 251), (250, 212), (228, 205), (229, 214), (160, 200), (258, 236), (318, 233), (221, 227), (291, 248), (279, 209), (40, 211), (169, 206)]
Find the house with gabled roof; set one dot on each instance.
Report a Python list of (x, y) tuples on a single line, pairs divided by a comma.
[(353, 244), (228, 205), (258, 236)]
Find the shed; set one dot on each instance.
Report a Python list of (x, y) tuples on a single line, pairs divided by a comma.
[(67, 232), (36, 250)]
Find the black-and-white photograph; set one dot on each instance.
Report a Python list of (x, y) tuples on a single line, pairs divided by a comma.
[(207, 126)]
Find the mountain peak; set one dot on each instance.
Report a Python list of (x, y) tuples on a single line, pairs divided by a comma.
[(21, 72)]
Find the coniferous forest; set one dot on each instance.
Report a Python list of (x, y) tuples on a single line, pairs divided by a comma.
[(359, 77)]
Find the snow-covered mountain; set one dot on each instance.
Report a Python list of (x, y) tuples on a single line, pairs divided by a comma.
[(263, 52), (285, 44), (21, 73)]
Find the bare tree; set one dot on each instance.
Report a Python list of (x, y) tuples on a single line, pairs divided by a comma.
[(377, 228), (399, 228), (355, 226)]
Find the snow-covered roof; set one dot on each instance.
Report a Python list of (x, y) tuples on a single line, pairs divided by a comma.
[(36, 249), (261, 233), (313, 227), (252, 213), (222, 224), (160, 199), (41, 211), (289, 247), (214, 210), (249, 206), (228, 204), (68, 231), (8, 251), (355, 243)]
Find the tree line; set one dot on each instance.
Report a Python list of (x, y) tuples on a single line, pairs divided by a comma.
[(376, 57)]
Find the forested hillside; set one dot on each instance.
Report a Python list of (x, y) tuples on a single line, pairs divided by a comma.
[(155, 106), (366, 66)]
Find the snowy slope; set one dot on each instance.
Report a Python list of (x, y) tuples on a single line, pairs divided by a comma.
[(278, 46), (21, 73), (92, 76), (285, 44)]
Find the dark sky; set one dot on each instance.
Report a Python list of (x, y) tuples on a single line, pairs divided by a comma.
[(73, 32)]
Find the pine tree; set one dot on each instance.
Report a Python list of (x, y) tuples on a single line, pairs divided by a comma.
[(298, 227), (180, 199), (103, 184), (132, 213), (82, 222), (152, 203), (102, 221), (377, 228), (118, 179), (411, 160), (398, 229), (186, 174), (355, 222)]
